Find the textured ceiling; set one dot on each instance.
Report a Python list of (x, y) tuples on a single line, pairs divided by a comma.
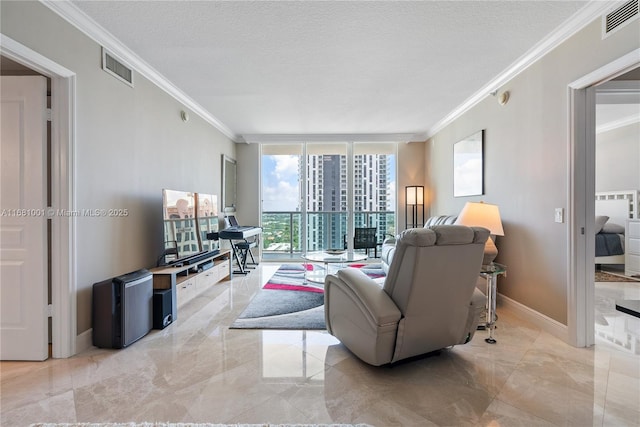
[(330, 67)]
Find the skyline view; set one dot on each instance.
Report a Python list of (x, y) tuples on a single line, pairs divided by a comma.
[(281, 183), (325, 198)]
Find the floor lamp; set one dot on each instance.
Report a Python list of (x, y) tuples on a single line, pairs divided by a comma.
[(414, 206)]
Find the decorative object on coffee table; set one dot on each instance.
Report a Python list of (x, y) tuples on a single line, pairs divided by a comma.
[(335, 251)]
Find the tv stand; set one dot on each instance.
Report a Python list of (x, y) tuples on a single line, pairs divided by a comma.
[(190, 279)]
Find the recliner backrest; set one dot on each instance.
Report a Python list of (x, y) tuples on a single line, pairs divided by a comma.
[(431, 280)]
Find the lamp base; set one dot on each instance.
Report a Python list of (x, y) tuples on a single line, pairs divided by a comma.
[(490, 252)]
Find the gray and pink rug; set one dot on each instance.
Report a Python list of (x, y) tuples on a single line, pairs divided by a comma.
[(288, 301)]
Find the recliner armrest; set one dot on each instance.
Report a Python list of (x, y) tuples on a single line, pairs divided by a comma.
[(374, 301), (361, 315)]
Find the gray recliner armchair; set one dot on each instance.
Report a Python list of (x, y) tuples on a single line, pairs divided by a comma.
[(428, 300)]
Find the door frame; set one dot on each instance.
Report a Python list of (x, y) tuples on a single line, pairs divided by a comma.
[(582, 104), (63, 227)]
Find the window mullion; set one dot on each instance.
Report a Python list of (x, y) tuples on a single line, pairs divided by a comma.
[(350, 196), (303, 202)]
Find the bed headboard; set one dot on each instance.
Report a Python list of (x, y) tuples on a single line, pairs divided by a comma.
[(619, 206)]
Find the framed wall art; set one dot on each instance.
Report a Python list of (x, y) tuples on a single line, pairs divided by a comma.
[(468, 166)]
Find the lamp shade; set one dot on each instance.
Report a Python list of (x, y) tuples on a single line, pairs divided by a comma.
[(415, 195), (482, 215)]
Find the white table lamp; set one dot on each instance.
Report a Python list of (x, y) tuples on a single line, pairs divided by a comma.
[(485, 215)]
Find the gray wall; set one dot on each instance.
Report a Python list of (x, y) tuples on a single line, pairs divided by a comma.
[(526, 154), (248, 183), (618, 159), (130, 143)]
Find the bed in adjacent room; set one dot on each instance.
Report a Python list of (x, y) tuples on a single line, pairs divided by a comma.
[(613, 209)]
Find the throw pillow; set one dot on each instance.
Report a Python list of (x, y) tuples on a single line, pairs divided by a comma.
[(600, 221), (613, 228)]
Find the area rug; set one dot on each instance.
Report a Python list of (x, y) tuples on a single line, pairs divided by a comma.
[(603, 276), (155, 424), (288, 301)]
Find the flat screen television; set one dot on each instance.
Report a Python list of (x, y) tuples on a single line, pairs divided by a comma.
[(207, 219), (187, 218)]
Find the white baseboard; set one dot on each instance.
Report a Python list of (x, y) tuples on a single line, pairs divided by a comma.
[(545, 323), (84, 341)]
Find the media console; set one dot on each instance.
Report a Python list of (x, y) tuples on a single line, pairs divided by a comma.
[(190, 279)]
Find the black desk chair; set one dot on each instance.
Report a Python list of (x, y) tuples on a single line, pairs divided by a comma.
[(365, 238)]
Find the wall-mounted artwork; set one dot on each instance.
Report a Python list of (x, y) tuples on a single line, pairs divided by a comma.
[(229, 184), (468, 166)]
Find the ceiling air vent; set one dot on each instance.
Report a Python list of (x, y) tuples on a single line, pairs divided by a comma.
[(619, 17), (116, 68)]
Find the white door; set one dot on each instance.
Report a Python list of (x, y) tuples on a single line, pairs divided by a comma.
[(23, 222)]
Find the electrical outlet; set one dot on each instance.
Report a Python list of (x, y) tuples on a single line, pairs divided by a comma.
[(559, 217)]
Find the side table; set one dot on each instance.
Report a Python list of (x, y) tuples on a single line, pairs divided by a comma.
[(490, 273)]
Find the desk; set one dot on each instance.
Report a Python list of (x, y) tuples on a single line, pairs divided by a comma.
[(490, 273), (329, 258)]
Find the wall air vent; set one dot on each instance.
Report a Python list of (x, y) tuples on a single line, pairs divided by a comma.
[(619, 17), (116, 68)]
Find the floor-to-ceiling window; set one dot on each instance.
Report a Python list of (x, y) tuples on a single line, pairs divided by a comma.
[(281, 177), (374, 187), (326, 196), (315, 194)]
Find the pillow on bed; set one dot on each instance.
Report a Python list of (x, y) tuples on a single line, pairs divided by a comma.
[(600, 221), (613, 228)]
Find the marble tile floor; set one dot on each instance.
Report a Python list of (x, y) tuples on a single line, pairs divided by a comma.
[(198, 370)]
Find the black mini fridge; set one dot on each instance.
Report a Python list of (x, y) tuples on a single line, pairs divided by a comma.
[(122, 309)]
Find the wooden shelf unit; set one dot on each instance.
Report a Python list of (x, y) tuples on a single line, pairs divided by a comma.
[(188, 281)]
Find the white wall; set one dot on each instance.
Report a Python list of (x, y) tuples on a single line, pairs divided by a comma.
[(618, 159), (130, 143), (526, 161)]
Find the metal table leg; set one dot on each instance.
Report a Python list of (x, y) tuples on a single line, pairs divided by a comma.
[(491, 306)]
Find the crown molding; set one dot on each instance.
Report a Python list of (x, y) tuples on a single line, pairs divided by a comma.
[(619, 92), (70, 13), (333, 137), (626, 121), (593, 10)]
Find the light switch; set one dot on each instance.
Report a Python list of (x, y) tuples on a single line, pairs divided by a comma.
[(559, 215)]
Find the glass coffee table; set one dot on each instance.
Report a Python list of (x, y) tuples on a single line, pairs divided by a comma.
[(328, 258)]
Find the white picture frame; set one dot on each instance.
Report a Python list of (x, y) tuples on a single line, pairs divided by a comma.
[(468, 166)]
